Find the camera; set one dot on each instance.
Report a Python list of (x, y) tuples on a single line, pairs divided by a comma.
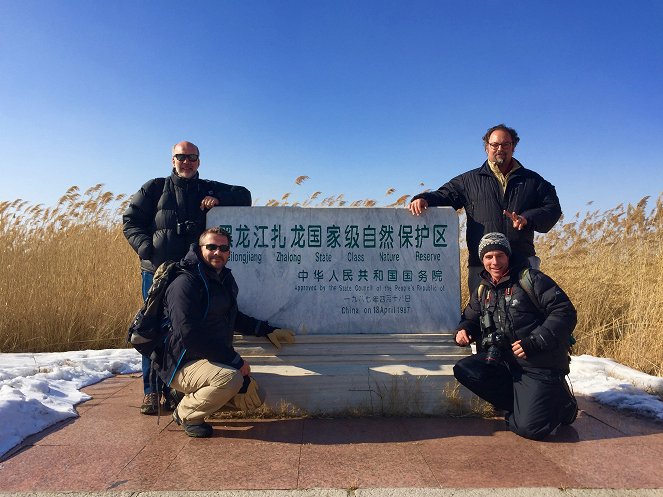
[(495, 344), (185, 227)]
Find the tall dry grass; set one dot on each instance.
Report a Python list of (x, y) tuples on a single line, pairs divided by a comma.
[(70, 280), (609, 263)]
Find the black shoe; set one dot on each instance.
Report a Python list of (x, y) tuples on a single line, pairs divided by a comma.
[(570, 413), (570, 409), (200, 430), (150, 404)]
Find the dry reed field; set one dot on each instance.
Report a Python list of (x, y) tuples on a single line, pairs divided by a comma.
[(69, 278), (71, 281)]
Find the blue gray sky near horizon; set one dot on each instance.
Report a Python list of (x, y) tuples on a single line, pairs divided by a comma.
[(361, 96)]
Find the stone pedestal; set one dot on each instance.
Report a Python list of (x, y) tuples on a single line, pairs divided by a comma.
[(373, 295)]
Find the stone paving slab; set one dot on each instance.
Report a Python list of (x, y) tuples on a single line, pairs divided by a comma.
[(371, 492), (112, 449)]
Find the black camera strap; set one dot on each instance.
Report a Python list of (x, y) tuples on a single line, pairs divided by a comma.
[(488, 303), (496, 303), (181, 199), (505, 316)]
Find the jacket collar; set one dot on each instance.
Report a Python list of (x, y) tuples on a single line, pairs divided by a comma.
[(517, 169), (488, 279), (183, 182)]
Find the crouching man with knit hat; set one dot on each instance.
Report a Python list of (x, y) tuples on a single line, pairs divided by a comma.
[(522, 336)]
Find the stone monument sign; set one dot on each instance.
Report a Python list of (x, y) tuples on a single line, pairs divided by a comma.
[(327, 271)]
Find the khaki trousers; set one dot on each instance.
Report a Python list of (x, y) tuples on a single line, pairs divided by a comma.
[(207, 387)]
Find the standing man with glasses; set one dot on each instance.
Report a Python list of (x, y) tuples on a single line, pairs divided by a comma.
[(500, 196), (163, 219)]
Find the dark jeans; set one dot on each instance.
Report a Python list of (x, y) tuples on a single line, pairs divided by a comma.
[(536, 399), (150, 379)]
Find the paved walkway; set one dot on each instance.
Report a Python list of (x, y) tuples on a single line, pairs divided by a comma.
[(111, 447)]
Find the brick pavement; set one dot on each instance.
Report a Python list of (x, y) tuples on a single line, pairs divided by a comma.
[(112, 447)]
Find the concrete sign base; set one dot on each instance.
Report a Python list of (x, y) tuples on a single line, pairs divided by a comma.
[(395, 374)]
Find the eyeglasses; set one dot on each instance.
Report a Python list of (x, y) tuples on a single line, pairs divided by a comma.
[(213, 247), (183, 157), (495, 146)]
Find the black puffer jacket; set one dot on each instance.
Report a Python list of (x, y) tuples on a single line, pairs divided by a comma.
[(152, 218), (202, 308), (480, 194), (545, 337)]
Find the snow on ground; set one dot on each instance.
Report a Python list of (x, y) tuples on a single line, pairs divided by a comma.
[(616, 385), (39, 390)]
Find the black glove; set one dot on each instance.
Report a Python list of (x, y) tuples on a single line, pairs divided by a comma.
[(530, 346)]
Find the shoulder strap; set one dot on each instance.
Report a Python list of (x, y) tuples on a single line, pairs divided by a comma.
[(527, 284), (481, 290), (157, 188), (205, 290), (482, 296), (162, 278), (158, 185)]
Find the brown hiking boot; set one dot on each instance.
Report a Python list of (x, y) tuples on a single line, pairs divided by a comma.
[(150, 404)]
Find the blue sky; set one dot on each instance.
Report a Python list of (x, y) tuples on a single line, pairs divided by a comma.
[(361, 96)]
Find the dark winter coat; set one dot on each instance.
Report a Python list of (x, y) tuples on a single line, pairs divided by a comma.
[(545, 336), (478, 192), (202, 308), (164, 216)]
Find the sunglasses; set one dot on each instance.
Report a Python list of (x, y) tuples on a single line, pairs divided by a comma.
[(212, 247), (182, 157)]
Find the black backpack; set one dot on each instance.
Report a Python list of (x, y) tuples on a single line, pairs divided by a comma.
[(149, 328)]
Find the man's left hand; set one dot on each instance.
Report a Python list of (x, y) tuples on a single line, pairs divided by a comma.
[(245, 370), (208, 202), (281, 335), (518, 351), (519, 221), (463, 338)]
